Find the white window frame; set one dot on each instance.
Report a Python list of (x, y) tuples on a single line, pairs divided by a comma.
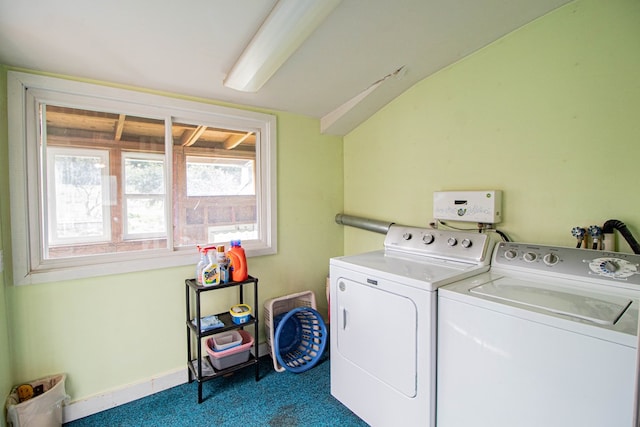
[(126, 197), (26, 92), (50, 185)]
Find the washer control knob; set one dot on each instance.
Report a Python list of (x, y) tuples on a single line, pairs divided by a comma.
[(510, 254), (617, 268), (452, 241), (609, 266), (530, 257), (466, 243), (407, 236), (427, 239), (550, 259)]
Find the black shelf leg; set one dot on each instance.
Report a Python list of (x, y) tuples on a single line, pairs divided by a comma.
[(256, 328)]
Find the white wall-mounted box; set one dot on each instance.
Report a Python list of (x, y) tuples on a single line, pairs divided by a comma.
[(468, 206)]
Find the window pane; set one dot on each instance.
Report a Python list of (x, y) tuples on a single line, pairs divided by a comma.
[(144, 185), (106, 182), (145, 216), (208, 176), (76, 208), (216, 180), (144, 176)]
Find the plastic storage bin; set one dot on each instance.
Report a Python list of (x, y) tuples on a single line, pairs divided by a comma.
[(226, 340), (240, 313), (233, 356), (44, 410), (281, 306)]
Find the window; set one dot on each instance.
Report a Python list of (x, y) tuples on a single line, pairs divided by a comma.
[(209, 176), (144, 196), (106, 180), (77, 183)]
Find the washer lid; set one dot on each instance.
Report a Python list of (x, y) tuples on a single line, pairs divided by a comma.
[(604, 310)]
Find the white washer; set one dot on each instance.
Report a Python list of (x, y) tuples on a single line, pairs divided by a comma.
[(383, 314), (547, 338)]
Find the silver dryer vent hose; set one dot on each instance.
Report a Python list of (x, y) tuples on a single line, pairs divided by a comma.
[(364, 223)]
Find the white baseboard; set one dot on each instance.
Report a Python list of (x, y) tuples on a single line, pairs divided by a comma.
[(130, 392), (103, 401)]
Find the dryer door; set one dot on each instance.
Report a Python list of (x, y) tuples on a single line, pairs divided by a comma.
[(366, 338)]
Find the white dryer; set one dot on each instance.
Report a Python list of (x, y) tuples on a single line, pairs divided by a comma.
[(383, 321), (547, 338)]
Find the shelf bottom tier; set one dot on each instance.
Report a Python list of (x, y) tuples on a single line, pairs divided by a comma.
[(210, 372)]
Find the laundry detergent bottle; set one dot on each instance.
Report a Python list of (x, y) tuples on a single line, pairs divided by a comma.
[(210, 273), (238, 262), (203, 262)]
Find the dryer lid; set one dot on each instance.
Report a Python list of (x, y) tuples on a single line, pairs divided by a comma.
[(600, 309)]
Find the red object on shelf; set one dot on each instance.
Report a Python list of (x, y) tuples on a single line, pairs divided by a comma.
[(238, 261)]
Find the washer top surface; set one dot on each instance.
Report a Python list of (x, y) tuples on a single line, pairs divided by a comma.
[(602, 309), (590, 291), (423, 258)]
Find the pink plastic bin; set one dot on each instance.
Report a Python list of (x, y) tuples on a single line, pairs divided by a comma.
[(233, 356)]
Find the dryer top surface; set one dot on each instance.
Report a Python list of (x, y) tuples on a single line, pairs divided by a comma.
[(418, 271)]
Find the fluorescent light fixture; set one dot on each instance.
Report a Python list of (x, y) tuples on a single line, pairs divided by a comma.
[(285, 29)]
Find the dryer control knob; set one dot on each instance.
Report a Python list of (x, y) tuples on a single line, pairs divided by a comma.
[(427, 239), (407, 236), (530, 257), (510, 254), (466, 243), (550, 259), (452, 241)]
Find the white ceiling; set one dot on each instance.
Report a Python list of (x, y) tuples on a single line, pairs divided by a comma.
[(187, 47)]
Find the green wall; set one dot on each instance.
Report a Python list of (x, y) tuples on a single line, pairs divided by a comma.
[(550, 114), (6, 379), (110, 331)]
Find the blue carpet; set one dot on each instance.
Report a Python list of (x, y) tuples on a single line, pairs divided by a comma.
[(279, 399)]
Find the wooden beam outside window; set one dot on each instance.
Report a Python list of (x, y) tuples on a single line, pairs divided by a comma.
[(190, 138), (234, 140), (119, 127)]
